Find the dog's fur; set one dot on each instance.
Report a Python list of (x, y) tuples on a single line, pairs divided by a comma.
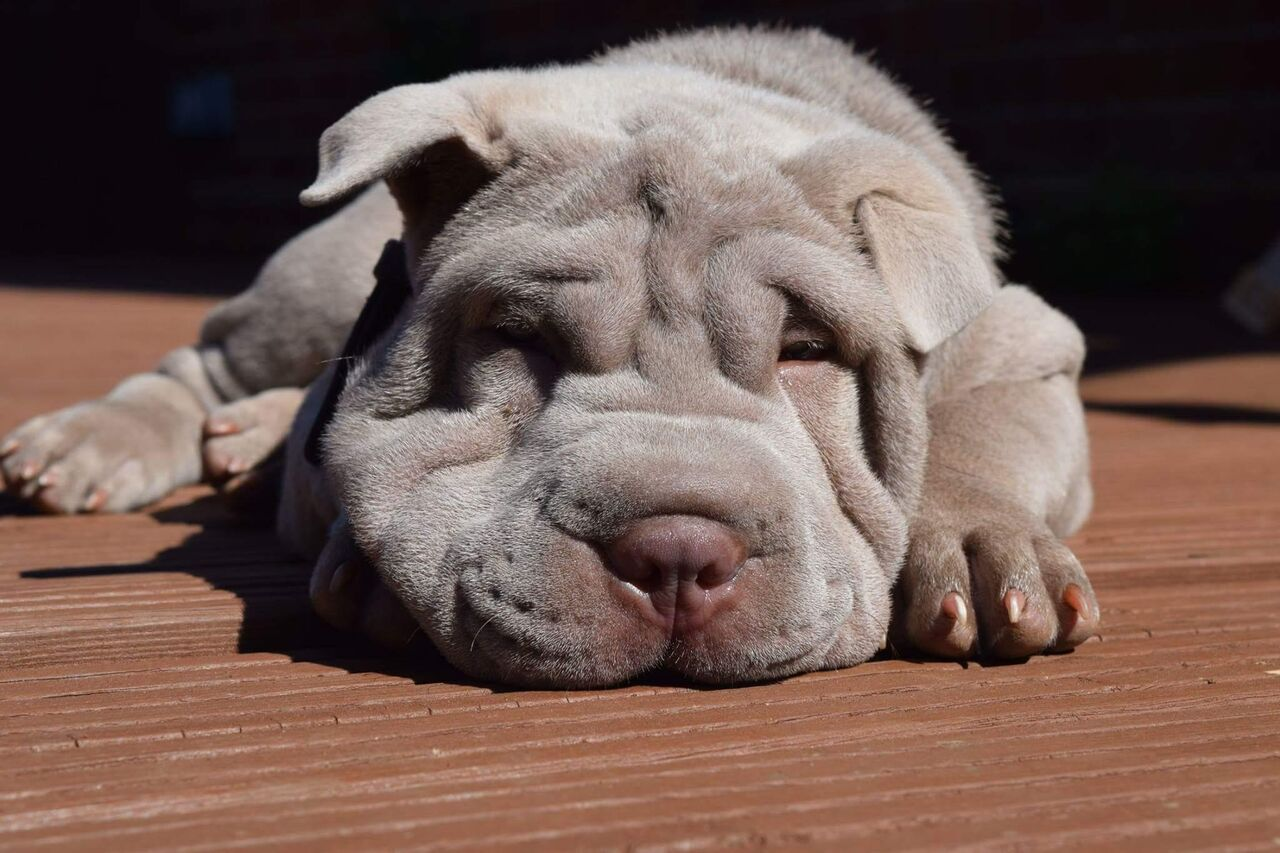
[(606, 260)]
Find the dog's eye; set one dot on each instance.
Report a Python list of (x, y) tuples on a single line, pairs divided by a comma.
[(534, 342), (518, 335), (806, 350)]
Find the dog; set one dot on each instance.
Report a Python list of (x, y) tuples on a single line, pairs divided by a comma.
[(695, 356)]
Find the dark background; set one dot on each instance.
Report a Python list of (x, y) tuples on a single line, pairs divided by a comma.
[(1134, 141)]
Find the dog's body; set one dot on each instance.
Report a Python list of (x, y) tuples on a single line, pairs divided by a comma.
[(705, 351)]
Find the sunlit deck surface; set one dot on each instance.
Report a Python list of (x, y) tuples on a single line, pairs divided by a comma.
[(163, 684)]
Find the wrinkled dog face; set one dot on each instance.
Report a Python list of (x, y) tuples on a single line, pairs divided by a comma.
[(647, 408)]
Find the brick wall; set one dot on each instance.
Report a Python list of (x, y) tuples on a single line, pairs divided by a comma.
[(1133, 140)]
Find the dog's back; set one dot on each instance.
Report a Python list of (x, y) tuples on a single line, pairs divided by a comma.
[(812, 66)]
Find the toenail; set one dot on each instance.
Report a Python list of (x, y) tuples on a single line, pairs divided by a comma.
[(220, 427), (341, 577), (1014, 603), (47, 479), (28, 471), (953, 607), (1073, 596), (95, 501), (235, 466), (9, 446)]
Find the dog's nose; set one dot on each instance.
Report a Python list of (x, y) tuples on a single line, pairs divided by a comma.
[(685, 564)]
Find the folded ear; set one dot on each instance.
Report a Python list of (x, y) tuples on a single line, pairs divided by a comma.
[(929, 260), (397, 134), (921, 237)]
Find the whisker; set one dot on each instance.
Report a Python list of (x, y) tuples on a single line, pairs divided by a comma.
[(478, 630)]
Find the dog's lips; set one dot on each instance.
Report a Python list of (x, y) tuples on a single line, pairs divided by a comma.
[(487, 640), (686, 656), (636, 631), (678, 652), (482, 631), (483, 634)]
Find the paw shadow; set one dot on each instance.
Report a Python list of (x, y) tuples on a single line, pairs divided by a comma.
[(906, 654), (10, 505), (1196, 413), (241, 556)]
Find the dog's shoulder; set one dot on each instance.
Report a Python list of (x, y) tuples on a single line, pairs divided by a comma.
[(1018, 337)]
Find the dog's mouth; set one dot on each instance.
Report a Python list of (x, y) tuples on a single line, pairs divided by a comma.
[(562, 657), (681, 658), (564, 654)]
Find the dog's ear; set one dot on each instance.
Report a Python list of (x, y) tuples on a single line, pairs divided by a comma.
[(433, 144), (913, 223)]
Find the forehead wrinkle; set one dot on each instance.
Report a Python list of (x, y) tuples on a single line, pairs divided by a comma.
[(697, 208), (598, 319), (514, 259), (745, 321), (625, 180), (647, 213), (673, 260), (838, 288)]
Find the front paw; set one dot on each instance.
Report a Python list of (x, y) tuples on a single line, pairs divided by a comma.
[(991, 582), (347, 593), (106, 455), (242, 447)]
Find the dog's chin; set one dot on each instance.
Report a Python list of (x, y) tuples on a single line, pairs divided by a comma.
[(497, 657), (839, 636)]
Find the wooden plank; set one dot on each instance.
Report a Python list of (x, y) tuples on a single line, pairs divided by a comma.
[(164, 686)]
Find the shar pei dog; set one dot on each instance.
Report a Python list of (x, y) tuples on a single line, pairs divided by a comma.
[(695, 356)]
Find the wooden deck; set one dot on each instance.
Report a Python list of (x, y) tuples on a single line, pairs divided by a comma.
[(163, 685)]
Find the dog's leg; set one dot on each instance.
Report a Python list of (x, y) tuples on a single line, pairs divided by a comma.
[(242, 454), (1007, 476), (146, 437), (131, 447)]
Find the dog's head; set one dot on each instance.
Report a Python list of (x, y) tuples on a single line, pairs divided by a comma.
[(654, 401)]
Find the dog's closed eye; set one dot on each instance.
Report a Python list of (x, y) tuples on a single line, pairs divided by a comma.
[(519, 335), (804, 338), (808, 349), (805, 341), (542, 350)]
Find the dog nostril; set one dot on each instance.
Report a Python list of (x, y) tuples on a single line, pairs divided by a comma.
[(718, 572), (665, 552)]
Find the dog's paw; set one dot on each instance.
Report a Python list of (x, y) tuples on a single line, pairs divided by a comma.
[(347, 593), (108, 455), (240, 437), (994, 583)]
